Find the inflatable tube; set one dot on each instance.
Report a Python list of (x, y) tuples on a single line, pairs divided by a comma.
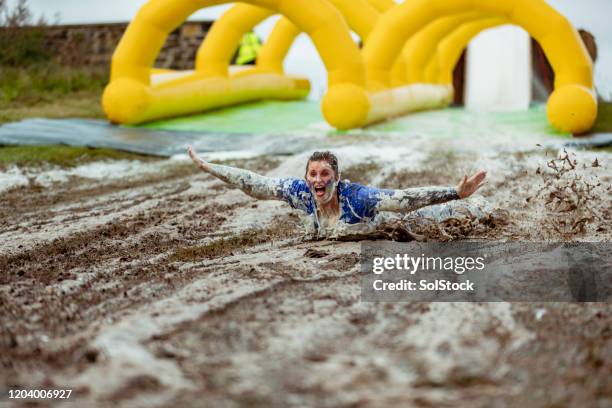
[(360, 15), (440, 67), (130, 97), (420, 47), (382, 5), (406, 63), (214, 55), (572, 107)]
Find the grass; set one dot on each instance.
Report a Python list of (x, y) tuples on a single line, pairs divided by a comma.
[(79, 105), (51, 91), (604, 117), (62, 156), (43, 82)]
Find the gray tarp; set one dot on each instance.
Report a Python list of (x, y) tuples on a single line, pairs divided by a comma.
[(99, 133), (594, 140)]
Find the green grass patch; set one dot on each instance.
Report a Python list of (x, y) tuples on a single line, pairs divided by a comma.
[(604, 117), (62, 156), (51, 91), (42, 83), (78, 105)]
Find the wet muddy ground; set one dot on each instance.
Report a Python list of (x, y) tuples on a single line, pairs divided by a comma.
[(169, 289)]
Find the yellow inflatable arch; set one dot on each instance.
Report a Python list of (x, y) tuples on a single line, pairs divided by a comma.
[(360, 17), (440, 67), (572, 107), (410, 65), (130, 96), (215, 54), (406, 64), (418, 64)]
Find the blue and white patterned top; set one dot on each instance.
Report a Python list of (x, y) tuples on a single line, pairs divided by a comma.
[(358, 203)]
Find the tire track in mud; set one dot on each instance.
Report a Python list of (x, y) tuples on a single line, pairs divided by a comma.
[(113, 241), (18, 202), (115, 267), (41, 231), (77, 355), (203, 296), (568, 363), (99, 207), (37, 204), (312, 343)]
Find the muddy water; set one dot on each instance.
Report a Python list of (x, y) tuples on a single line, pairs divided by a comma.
[(168, 288)]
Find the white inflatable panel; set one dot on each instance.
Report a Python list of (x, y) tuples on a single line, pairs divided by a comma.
[(499, 70)]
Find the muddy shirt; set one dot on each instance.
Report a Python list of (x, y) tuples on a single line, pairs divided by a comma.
[(358, 203)]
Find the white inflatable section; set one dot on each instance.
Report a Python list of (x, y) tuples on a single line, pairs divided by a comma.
[(499, 70)]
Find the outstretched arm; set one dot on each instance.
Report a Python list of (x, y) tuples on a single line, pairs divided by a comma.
[(253, 184), (414, 198)]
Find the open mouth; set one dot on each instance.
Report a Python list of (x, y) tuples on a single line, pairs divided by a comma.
[(319, 191)]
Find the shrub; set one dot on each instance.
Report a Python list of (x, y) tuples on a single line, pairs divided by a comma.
[(21, 40), (45, 82)]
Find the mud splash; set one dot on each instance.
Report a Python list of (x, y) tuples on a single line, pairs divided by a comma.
[(574, 198)]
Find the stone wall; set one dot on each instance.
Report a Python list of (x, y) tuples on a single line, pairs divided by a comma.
[(94, 44)]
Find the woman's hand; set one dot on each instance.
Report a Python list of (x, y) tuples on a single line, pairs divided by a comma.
[(199, 162), (468, 186)]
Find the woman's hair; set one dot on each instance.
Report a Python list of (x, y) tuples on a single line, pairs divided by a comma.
[(326, 156)]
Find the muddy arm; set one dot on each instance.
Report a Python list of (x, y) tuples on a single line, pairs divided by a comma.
[(414, 198), (253, 184)]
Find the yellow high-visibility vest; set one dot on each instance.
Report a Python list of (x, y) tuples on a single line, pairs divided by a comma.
[(249, 47)]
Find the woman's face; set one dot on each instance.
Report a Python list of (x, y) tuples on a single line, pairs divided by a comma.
[(321, 179)]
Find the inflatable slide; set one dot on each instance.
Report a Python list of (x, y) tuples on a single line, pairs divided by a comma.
[(405, 64)]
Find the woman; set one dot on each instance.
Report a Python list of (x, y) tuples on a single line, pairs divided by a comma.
[(338, 207)]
